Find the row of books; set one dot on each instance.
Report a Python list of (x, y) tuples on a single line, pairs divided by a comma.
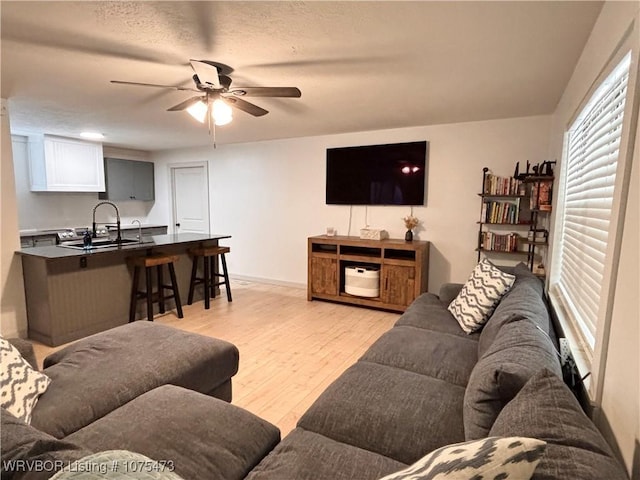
[(495, 185), (500, 212), (499, 242)]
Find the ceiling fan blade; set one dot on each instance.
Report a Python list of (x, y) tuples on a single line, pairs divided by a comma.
[(186, 104), (207, 73), (292, 92), (138, 84), (245, 106)]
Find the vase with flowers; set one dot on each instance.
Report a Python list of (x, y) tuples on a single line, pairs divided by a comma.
[(410, 222)]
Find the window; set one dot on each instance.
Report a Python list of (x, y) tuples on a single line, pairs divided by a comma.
[(583, 224)]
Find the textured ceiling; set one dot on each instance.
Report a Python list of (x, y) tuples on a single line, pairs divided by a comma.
[(360, 65)]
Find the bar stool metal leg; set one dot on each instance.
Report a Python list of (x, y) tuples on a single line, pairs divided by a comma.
[(176, 294), (225, 272), (192, 283), (161, 288), (134, 294), (207, 282), (147, 272)]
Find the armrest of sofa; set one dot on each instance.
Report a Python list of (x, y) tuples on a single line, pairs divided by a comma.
[(26, 350), (449, 291)]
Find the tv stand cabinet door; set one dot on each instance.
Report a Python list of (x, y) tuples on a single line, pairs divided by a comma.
[(324, 276), (398, 285)]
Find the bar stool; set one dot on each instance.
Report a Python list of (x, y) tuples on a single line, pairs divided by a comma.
[(149, 263), (210, 256)]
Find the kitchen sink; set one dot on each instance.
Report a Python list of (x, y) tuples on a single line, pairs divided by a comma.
[(103, 243)]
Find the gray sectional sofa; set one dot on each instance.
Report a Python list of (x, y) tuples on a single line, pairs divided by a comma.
[(422, 385), (425, 384)]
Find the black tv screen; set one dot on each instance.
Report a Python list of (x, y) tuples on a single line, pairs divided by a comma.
[(392, 174)]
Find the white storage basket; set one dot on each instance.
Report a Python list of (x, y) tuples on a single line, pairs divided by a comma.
[(362, 281)]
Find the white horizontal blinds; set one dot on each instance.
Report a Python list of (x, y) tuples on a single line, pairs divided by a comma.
[(592, 157)]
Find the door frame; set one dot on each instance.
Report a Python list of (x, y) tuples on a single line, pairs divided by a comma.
[(172, 168)]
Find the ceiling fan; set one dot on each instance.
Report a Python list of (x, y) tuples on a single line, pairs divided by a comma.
[(218, 99)]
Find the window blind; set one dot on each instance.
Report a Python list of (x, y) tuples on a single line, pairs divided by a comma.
[(582, 223)]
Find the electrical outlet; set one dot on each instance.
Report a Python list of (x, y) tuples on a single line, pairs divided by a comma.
[(565, 351)]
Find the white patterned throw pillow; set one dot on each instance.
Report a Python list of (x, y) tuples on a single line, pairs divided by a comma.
[(480, 295), (510, 458), (20, 385)]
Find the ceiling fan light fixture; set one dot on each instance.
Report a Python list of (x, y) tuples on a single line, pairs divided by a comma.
[(221, 112), (198, 111)]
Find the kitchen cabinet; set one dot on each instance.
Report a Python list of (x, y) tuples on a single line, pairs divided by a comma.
[(58, 164), (128, 180)]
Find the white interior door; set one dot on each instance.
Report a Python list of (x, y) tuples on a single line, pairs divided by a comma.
[(190, 187)]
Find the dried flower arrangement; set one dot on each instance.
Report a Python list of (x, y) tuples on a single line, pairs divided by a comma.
[(410, 222)]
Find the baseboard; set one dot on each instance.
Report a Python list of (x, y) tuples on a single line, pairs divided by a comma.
[(602, 423), (268, 281)]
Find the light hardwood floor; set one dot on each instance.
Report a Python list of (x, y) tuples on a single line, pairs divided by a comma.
[(290, 349)]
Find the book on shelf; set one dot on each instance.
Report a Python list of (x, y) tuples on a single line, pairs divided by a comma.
[(495, 185), (500, 212), (495, 242)]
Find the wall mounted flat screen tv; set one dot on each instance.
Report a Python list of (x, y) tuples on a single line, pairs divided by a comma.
[(392, 174)]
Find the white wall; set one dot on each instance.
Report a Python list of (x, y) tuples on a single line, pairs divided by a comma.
[(13, 313), (621, 397), (270, 196), (42, 210)]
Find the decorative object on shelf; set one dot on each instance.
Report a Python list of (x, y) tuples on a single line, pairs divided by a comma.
[(331, 232), (410, 222), (373, 234)]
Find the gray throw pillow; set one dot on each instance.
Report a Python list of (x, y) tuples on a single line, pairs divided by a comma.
[(546, 409)]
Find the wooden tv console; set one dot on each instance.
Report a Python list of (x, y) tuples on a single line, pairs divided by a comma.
[(403, 265)]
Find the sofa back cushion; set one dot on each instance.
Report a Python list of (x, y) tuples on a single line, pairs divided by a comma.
[(547, 410), (519, 351), (524, 300)]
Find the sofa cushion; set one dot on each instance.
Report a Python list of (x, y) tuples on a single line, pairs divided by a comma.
[(524, 300), (20, 385), (393, 412), (97, 374), (440, 355), (20, 442), (479, 296), (493, 457), (519, 351), (203, 436), (305, 455), (546, 409), (429, 313)]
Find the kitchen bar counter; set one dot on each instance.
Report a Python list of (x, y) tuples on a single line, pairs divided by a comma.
[(74, 293)]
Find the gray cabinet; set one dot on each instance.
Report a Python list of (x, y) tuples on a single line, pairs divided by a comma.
[(128, 180)]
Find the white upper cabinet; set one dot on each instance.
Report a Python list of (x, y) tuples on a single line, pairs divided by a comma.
[(58, 164)]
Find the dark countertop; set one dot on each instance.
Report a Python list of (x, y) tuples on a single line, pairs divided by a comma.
[(53, 231), (57, 251)]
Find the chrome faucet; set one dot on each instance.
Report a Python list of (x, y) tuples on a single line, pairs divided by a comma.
[(139, 229), (119, 237)]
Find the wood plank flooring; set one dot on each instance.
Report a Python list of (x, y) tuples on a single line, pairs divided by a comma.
[(290, 349)]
